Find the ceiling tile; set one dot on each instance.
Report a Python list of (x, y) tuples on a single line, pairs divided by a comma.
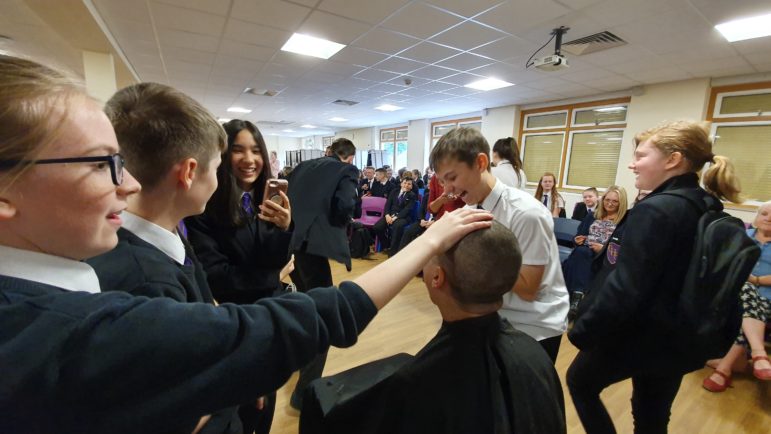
[(343, 69), (274, 13), (613, 13), (461, 91), (429, 52), (376, 75), (119, 10), (251, 33), (420, 20), (249, 51), (387, 88), (415, 92), (331, 27), (384, 41), (438, 86), (399, 65), (433, 72), (465, 8), (517, 16), (357, 56), (462, 79), (178, 38), (189, 55), (467, 36), (658, 75), (414, 81), (216, 7), (368, 11), (506, 48), (172, 17), (465, 61)]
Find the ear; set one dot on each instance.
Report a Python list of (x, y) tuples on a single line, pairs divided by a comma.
[(438, 277), (674, 160), (186, 172), (7, 209), (482, 162)]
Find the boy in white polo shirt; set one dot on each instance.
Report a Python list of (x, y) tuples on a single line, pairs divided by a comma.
[(538, 304)]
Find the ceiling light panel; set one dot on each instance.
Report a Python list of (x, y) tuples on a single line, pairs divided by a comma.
[(311, 46), (489, 84), (746, 28), (388, 107)]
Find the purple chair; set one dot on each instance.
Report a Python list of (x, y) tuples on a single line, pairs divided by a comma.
[(372, 209)]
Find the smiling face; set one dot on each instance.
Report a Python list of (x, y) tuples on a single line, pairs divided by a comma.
[(610, 202), (246, 159), (763, 219), (72, 210), (590, 199), (407, 184), (461, 180), (649, 166)]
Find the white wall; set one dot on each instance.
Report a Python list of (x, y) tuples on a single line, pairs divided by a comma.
[(363, 138), (281, 145), (419, 141), (500, 122)]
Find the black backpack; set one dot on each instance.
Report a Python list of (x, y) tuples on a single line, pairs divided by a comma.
[(709, 311), (360, 242)]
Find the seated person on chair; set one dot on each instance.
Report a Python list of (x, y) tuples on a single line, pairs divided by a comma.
[(381, 187), (587, 206), (756, 305), (478, 374), (398, 214)]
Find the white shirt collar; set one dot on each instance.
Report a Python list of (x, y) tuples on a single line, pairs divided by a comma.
[(164, 240), (51, 270), (492, 199)]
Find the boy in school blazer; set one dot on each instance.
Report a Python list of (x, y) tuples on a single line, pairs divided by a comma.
[(398, 214)]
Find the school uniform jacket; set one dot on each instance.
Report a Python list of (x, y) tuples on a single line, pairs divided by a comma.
[(76, 362), (323, 196), (242, 264), (381, 190), (401, 210), (632, 304), (579, 211)]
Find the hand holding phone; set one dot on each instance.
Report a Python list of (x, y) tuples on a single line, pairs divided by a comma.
[(272, 189), (275, 206)]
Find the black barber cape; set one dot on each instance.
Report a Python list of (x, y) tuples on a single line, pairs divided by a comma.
[(475, 376)]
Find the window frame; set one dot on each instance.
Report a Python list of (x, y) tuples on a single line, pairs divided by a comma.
[(392, 163), (597, 124), (567, 120), (454, 122), (567, 130), (716, 115), (522, 150), (731, 120)]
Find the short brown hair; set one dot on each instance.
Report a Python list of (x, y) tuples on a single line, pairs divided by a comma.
[(157, 126), (343, 148), (462, 144), (483, 266)]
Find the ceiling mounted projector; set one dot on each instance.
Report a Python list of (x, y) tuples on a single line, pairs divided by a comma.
[(554, 62)]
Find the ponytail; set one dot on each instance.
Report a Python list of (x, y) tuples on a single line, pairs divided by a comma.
[(720, 180)]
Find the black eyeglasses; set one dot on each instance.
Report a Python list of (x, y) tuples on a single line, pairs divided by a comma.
[(115, 161)]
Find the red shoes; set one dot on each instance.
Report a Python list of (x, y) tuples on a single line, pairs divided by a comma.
[(760, 374), (712, 386)]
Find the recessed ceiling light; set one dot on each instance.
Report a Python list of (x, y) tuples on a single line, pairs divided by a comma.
[(388, 107), (288, 131), (746, 28), (239, 110), (489, 84), (224, 120), (312, 46), (338, 119), (610, 109), (307, 126)]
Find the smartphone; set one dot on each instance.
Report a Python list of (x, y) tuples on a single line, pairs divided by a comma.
[(272, 187)]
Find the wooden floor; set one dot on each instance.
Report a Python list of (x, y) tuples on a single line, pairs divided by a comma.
[(410, 321)]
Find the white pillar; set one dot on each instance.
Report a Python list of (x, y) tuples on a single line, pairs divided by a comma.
[(100, 75)]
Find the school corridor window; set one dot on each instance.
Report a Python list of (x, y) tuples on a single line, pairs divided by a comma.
[(579, 143), (438, 129), (741, 129), (393, 141)]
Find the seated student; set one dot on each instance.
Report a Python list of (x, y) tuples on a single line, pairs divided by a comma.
[(547, 194), (398, 214), (478, 374), (76, 360), (242, 241), (588, 206), (538, 303), (594, 232), (418, 179), (381, 187), (366, 182)]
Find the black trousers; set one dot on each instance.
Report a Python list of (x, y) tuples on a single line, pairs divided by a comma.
[(654, 390), (552, 346), (258, 421), (310, 271), (392, 239), (410, 234)]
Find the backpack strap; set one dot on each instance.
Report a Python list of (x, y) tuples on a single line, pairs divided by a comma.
[(702, 205)]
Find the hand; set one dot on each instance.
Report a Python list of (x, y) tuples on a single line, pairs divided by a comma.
[(275, 213), (453, 226), (260, 404), (579, 240), (424, 224), (428, 224), (365, 186), (288, 268), (596, 247), (389, 219)]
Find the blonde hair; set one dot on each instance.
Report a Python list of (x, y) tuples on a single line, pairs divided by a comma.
[(600, 212), (555, 195), (691, 139), (33, 101)]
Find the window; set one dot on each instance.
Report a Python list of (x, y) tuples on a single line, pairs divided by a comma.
[(741, 128), (394, 142), (327, 141), (579, 143), (438, 129)]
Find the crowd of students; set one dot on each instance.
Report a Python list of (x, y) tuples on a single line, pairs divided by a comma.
[(109, 315)]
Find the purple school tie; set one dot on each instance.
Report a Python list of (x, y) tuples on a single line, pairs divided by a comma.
[(246, 204)]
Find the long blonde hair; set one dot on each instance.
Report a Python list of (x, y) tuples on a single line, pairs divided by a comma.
[(600, 212), (555, 195), (692, 140), (33, 101)]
